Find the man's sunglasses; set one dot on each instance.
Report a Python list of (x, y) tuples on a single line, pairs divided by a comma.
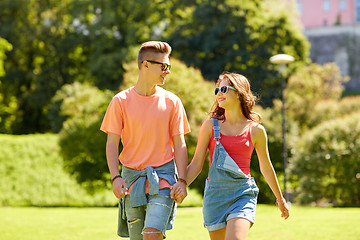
[(223, 89), (164, 66)]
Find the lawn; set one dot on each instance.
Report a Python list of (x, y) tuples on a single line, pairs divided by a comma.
[(100, 224)]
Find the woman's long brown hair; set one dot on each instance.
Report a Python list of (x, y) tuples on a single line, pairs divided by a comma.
[(246, 97)]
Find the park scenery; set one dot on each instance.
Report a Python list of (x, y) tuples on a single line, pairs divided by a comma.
[(61, 62)]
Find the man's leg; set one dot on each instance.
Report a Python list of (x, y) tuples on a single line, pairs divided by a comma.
[(158, 213), (152, 234), (136, 218)]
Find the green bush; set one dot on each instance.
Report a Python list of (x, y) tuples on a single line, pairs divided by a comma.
[(32, 174), (325, 165), (73, 100), (308, 87), (82, 143), (330, 109)]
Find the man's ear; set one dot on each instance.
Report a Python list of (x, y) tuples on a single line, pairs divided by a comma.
[(145, 64)]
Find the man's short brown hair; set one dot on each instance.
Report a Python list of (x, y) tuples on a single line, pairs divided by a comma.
[(152, 47)]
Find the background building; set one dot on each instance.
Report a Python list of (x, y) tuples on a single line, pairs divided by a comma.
[(319, 13), (333, 29)]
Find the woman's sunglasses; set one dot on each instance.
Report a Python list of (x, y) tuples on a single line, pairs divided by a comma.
[(164, 66), (223, 89)]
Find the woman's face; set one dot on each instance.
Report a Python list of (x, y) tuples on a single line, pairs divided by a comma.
[(227, 99)]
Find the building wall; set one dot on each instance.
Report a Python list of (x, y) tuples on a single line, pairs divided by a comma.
[(333, 30), (318, 13), (339, 44)]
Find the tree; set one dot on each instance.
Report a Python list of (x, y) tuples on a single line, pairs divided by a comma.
[(40, 62), (4, 46), (56, 43), (325, 164), (239, 36), (309, 86), (8, 103)]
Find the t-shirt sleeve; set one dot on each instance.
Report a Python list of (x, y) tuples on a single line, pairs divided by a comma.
[(179, 123), (113, 119)]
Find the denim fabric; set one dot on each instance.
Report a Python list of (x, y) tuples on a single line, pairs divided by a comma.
[(155, 214), (138, 197), (229, 193)]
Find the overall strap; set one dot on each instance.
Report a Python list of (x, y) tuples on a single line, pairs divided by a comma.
[(216, 129)]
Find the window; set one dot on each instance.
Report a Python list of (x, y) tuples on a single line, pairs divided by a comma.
[(300, 7), (357, 10), (342, 5), (342, 60), (326, 5)]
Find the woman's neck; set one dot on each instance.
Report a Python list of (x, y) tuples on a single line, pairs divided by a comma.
[(234, 116)]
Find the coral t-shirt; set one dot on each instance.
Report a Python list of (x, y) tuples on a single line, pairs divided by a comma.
[(146, 125)]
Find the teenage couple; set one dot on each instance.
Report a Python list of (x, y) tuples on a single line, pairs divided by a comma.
[(151, 123)]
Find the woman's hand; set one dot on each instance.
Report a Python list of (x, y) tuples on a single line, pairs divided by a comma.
[(284, 208)]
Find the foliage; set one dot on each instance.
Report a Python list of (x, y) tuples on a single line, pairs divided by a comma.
[(32, 174), (4, 46), (310, 86), (326, 110), (38, 65), (74, 100), (7, 103), (88, 41), (239, 36), (67, 41), (325, 163), (82, 143)]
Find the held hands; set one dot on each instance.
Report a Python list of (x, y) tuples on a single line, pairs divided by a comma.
[(283, 206), (178, 191), (119, 187)]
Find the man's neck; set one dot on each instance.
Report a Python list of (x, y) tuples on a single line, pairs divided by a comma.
[(145, 89)]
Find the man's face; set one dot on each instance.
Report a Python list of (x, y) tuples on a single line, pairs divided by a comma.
[(157, 68)]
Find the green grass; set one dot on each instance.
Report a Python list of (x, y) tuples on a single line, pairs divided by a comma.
[(100, 224), (32, 174)]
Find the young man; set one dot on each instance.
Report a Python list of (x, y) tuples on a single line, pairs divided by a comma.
[(151, 123)]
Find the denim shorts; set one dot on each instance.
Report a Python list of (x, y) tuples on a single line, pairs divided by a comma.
[(228, 200), (155, 214)]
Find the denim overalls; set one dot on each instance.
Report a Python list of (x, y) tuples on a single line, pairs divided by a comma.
[(229, 193)]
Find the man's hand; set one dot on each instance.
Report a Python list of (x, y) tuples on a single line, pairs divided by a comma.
[(178, 192), (119, 188)]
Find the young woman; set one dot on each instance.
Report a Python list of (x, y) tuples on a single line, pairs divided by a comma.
[(231, 135)]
